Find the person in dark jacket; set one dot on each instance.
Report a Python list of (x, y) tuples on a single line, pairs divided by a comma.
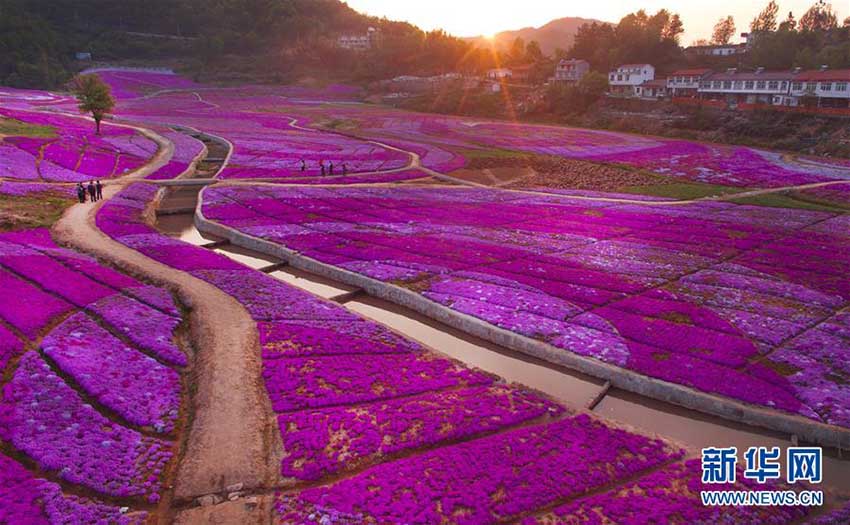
[(322, 166), (92, 192), (99, 189), (303, 166), (81, 192), (344, 169), (331, 167)]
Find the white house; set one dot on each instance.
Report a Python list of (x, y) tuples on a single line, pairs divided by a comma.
[(499, 73), (624, 79), (830, 87), (652, 89), (685, 82), (571, 70), (750, 87), (359, 42), (718, 50)]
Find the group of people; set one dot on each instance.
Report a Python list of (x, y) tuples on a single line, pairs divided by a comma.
[(93, 188), (326, 170)]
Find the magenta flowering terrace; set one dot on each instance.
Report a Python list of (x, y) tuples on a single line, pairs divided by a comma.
[(66, 150), (92, 394), (357, 423), (422, 438), (693, 295)]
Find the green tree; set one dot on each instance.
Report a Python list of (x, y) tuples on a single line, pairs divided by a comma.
[(93, 96), (766, 20), (724, 29), (790, 24), (819, 17), (533, 53)]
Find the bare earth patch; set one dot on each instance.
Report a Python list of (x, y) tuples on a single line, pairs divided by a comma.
[(535, 171), (17, 213)]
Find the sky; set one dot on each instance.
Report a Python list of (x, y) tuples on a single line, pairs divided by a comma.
[(486, 17)]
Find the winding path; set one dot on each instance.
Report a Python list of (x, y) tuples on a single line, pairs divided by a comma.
[(233, 431)]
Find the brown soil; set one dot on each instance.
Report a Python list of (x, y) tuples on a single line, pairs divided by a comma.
[(31, 212), (533, 171), (243, 511)]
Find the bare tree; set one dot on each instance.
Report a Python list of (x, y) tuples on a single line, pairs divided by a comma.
[(724, 29)]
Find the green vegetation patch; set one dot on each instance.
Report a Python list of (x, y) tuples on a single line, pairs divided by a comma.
[(32, 211), (784, 200), (16, 128), (681, 190)]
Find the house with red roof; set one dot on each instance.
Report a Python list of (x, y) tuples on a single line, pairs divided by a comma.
[(652, 89), (747, 87), (829, 88), (685, 82)]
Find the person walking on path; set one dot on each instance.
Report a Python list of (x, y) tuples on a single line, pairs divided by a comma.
[(331, 167), (99, 188), (81, 192), (303, 166), (344, 168), (322, 166), (92, 192)]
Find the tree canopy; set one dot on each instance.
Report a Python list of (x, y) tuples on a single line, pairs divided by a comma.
[(766, 20), (724, 30), (94, 96), (638, 37)]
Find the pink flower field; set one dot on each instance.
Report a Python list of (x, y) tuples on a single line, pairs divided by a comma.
[(693, 295), (73, 154), (91, 390), (144, 379)]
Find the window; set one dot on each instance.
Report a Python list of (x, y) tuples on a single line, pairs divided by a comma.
[(797, 86), (705, 85), (773, 84), (717, 84), (826, 86), (841, 86), (727, 84), (810, 86), (750, 84), (784, 85), (739, 84), (760, 84)]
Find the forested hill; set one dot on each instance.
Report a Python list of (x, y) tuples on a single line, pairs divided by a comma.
[(39, 38)]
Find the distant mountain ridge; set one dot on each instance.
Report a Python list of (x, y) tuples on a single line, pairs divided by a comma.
[(557, 33)]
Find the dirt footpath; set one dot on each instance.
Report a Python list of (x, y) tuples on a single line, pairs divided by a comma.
[(233, 437)]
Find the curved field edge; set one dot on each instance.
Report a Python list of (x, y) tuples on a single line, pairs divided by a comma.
[(212, 459), (727, 408)]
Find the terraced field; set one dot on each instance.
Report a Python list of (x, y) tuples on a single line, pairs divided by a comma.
[(149, 380)]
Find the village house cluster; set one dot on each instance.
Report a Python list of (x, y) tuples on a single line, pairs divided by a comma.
[(823, 88)]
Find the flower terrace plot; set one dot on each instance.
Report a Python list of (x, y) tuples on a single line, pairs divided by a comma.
[(424, 439), (265, 145), (187, 149), (744, 302), (92, 389), (442, 142), (57, 148)]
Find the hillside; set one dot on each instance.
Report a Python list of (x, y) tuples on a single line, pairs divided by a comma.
[(267, 40), (555, 34)]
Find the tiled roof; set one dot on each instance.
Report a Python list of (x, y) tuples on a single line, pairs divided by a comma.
[(752, 75), (829, 74), (690, 72)]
